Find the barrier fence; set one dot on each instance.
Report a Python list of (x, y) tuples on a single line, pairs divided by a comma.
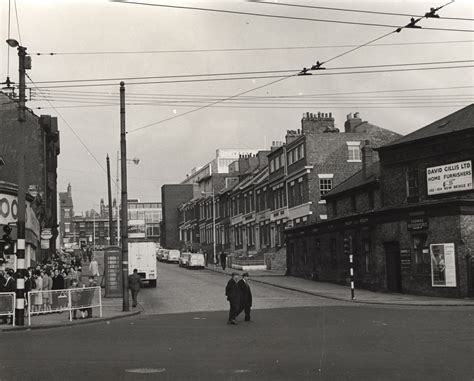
[(7, 305), (71, 299)]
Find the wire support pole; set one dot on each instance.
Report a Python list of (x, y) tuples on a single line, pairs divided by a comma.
[(20, 250), (124, 210)]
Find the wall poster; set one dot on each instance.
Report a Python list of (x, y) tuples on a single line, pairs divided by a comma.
[(443, 265)]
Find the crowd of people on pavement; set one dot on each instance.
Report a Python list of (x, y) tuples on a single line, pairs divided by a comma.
[(60, 272)]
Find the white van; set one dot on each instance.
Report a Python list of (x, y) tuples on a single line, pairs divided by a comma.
[(196, 260), (141, 256), (173, 256)]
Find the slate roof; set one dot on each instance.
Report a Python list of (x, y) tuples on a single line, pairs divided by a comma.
[(355, 181), (460, 120)]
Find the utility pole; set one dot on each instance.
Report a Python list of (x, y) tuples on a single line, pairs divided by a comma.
[(124, 232), (20, 245), (117, 202), (111, 241)]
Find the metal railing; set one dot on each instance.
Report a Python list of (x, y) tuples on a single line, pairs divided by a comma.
[(71, 299), (7, 305)]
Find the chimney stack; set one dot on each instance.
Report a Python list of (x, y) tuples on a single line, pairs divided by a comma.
[(367, 159), (317, 123), (352, 122)]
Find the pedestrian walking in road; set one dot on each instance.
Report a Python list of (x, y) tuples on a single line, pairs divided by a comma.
[(94, 267), (233, 296), (245, 296), (135, 284)]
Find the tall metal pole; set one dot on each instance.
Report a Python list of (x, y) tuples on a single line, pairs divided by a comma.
[(20, 248), (111, 227), (117, 200), (124, 232)]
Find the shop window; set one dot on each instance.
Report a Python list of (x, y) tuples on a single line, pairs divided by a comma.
[(421, 253)]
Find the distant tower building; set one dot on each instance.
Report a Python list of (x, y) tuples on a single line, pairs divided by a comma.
[(66, 216)]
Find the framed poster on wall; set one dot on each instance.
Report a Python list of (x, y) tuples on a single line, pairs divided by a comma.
[(443, 265)]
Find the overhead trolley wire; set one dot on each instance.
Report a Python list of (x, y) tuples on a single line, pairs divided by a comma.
[(355, 10), (252, 77), (280, 16), (73, 131), (248, 49), (248, 91), (249, 72), (266, 96)]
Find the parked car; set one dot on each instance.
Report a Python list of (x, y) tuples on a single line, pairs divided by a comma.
[(173, 256), (196, 260), (161, 255), (183, 259)]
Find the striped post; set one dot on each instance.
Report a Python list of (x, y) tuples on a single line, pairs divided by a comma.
[(351, 262)]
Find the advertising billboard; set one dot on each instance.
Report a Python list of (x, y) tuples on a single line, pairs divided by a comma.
[(136, 229), (447, 178)]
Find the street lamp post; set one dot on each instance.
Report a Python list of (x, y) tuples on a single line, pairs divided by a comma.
[(23, 65)]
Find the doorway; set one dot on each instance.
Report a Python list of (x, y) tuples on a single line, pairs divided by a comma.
[(393, 266)]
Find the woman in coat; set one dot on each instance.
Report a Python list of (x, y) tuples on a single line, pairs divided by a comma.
[(38, 297), (47, 286)]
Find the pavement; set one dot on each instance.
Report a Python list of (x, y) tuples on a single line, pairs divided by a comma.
[(111, 309), (343, 293)]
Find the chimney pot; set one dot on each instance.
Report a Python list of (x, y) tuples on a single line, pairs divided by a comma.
[(330, 114), (356, 115)]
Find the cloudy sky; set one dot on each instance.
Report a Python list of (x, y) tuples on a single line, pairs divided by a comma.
[(109, 41)]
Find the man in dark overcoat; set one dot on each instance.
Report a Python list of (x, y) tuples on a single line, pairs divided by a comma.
[(135, 284), (245, 296), (233, 296)]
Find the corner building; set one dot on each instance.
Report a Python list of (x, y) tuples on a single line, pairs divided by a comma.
[(410, 217)]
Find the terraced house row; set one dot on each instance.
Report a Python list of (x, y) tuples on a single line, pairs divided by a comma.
[(245, 211)]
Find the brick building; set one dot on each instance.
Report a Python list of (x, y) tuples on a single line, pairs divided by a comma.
[(309, 164), (279, 188), (172, 197), (41, 141), (409, 216), (66, 217)]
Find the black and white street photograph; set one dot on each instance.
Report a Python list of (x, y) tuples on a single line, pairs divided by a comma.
[(236, 190)]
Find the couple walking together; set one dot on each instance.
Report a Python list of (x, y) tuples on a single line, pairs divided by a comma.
[(239, 296)]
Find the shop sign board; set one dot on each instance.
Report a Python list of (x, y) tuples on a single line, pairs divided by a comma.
[(405, 260), (417, 223), (447, 178), (443, 265)]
